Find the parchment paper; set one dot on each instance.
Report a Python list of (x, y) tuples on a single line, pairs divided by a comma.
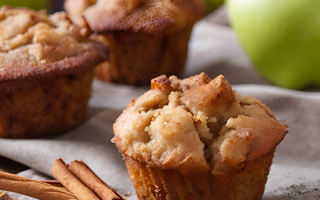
[(214, 49)]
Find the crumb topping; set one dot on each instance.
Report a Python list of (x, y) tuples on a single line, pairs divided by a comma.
[(28, 36), (197, 123), (138, 15)]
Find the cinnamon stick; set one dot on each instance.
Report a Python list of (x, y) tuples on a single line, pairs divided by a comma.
[(53, 182), (92, 181), (71, 182), (33, 188)]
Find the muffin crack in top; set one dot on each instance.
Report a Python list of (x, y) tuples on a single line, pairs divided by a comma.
[(199, 123), (34, 37), (31, 39)]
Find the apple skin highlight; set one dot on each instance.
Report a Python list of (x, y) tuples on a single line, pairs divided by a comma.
[(281, 38), (213, 4), (34, 4)]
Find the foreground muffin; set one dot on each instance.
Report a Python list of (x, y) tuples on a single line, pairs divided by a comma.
[(196, 138), (47, 65), (146, 38)]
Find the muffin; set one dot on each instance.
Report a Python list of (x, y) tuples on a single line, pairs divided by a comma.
[(146, 38), (47, 65), (197, 138)]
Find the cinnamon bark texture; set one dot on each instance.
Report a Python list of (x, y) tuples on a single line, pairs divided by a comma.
[(71, 182), (33, 188), (92, 181), (75, 181), (82, 181), (53, 182)]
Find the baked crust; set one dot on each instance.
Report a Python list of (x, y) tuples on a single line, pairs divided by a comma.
[(136, 58), (18, 77), (142, 15), (42, 47), (146, 38), (197, 125), (45, 106), (197, 138), (47, 66)]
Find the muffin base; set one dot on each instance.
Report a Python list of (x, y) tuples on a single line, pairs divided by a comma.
[(153, 183), (136, 58), (45, 106)]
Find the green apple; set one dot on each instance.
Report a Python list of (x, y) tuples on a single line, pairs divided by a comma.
[(281, 37), (34, 4), (213, 4)]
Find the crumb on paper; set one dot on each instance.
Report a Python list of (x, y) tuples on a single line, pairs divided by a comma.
[(127, 194), (302, 190), (2, 193), (4, 196)]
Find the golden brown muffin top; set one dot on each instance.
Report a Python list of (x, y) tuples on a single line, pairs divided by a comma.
[(137, 15), (35, 44), (196, 124)]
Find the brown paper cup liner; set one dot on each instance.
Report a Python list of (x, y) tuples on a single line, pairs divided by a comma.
[(136, 58), (156, 183), (45, 106)]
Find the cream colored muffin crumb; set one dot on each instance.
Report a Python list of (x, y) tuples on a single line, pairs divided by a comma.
[(196, 124), (32, 36)]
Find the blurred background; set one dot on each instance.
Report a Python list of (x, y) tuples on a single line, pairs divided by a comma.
[(50, 5), (280, 44), (57, 5)]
